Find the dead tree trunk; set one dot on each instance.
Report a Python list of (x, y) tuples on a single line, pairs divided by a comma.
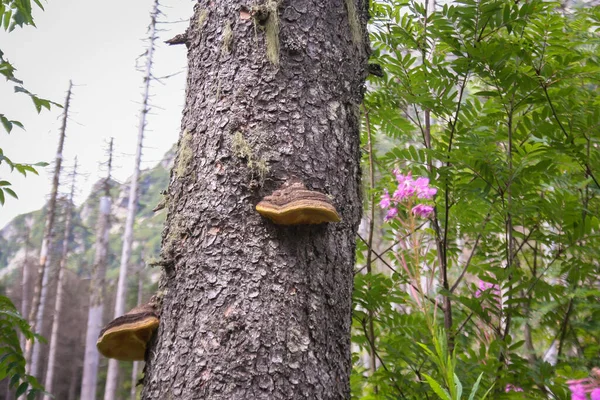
[(253, 310), (74, 379), (112, 375), (59, 290), (38, 305), (89, 379), (134, 370), (25, 279)]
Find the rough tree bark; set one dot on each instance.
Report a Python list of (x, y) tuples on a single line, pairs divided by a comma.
[(113, 365), (38, 304), (62, 266), (89, 379), (251, 310)]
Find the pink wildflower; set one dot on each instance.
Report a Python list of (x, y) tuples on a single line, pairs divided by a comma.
[(483, 286), (385, 199), (392, 212), (577, 392), (424, 191), (512, 388), (405, 190), (422, 210), (580, 387), (402, 178)]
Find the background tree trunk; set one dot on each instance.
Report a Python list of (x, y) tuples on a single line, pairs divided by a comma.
[(89, 379), (25, 280), (113, 365), (38, 304), (136, 364), (252, 310), (59, 290)]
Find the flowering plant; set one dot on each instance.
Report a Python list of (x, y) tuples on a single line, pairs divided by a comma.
[(407, 193), (581, 387)]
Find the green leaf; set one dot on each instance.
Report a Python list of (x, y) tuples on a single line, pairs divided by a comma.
[(437, 388), (21, 89), (475, 387), (458, 386), (7, 19), (11, 192), (21, 389), (14, 380), (4, 357), (6, 123)]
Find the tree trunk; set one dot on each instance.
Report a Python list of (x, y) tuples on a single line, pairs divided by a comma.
[(59, 291), (25, 280), (8, 393), (134, 370), (252, 310), (38, 304), (113, 365), (74, 379), (89, 379)]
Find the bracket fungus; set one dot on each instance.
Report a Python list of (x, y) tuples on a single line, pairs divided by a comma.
[(294, 204), (125, 337)]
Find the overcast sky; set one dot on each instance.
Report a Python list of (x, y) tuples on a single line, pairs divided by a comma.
[(96, 44)]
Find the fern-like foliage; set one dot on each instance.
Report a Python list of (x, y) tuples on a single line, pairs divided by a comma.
[(12, 362)]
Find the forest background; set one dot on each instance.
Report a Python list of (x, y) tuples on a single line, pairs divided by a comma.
[(494, 288)]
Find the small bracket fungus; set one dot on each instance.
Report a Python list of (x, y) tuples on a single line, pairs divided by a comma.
[(295, 205), (125, 337)]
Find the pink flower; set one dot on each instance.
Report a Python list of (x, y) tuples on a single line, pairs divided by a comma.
[(405, 190), (402, 178), (392, 212), (424, 191), (421, 183), (483, 286), (579, 387), (385, 199), (422, 210), (577, 392), (512, 388)]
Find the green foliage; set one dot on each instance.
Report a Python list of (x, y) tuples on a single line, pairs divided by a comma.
[(12, 362), (495, 102), (15, 13), (5, 190)]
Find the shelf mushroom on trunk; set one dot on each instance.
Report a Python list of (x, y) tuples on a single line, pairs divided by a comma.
[(125, 338), (294, 204)]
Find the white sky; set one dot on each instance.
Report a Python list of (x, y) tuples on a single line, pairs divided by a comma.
[(96, 44)]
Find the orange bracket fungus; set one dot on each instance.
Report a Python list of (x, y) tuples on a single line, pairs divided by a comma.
[(294, 204), (125, 337)]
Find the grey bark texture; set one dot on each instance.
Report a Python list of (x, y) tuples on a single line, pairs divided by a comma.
[(252, 310)]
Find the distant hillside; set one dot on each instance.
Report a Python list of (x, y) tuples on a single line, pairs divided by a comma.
[(148, 226)]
